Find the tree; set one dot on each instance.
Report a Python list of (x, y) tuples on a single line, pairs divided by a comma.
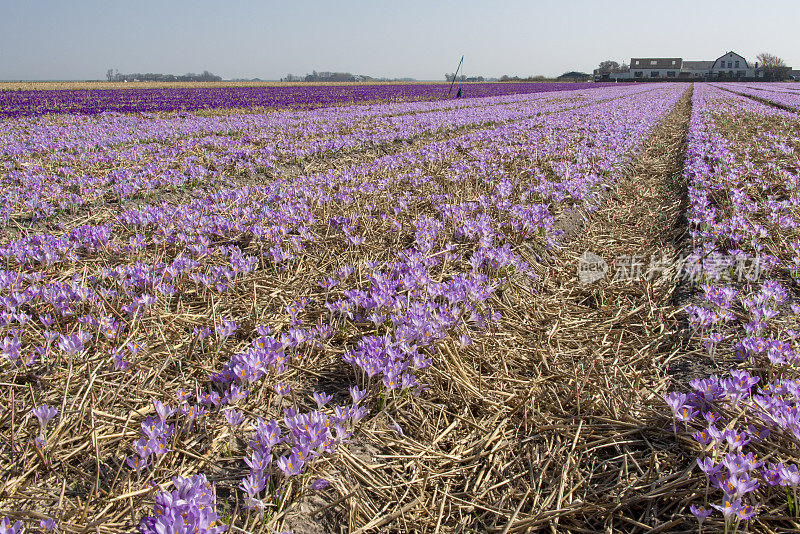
[(609, 65), (110, 75), (773, 66)]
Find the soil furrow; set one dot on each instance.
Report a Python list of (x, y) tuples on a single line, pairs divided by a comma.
[(614, 334)]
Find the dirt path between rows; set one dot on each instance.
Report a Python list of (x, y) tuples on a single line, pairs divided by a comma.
[(612, 340)]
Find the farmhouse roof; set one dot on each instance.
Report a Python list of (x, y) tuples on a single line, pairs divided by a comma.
[(731, 54), (698, 65), (656, 62)]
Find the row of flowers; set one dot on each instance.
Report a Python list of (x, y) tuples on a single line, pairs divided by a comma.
[(423, 241), (739, 168)]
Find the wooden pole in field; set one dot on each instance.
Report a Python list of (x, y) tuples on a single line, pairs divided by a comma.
[(455, 75)]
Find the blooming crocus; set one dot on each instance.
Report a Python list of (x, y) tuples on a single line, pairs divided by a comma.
[(225, 329), (137, 463), (686, 413), (182, 395), (258, 462), (118, 359), (700, 512), (47, 524), (790, 475), (745, 512), (44, 414), (6, 527), (708, 467), (235, 394), (772, 475), (253, 483), (71, 344), (741, 484), (711, 417), (202, 333), (163, 410), (319, 484), (729, 507), (282, 389), (702, 437), (675, 401), (357, 394), (321, 398), (233, 416), (291, 465), (736, 440)]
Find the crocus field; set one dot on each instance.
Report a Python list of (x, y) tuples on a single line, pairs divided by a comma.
[(360, 309), (37, 102)]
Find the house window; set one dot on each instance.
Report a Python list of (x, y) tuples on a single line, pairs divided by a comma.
[(729, 64), (654, 74), (740, 73), (637, 61), (638, 73), (670, 74), (736, 64), (653, 62)]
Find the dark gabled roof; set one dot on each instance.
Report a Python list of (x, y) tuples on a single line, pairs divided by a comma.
[(698, 65), (656, 63), (734, 54)]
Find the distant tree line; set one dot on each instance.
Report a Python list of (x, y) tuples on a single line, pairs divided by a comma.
[(115, 76), (448, 76), (326, 76)]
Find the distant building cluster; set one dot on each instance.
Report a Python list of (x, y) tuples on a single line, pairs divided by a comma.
[(729, 66)]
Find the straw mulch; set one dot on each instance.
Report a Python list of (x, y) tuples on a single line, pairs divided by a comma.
[(558, 425), (553, 421)]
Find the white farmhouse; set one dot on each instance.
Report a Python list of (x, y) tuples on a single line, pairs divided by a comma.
[(728, 66), (696, 69), (647, 68), (732, 65)]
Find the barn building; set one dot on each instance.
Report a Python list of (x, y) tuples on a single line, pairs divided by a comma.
[(730, 65), (655, 67)]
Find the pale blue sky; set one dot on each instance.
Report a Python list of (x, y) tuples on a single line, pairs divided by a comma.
[(80, 39)]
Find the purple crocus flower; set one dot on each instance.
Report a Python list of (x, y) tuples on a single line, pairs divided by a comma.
[(164, 411), (357, 394), (282, 389), (225, 329), (233, 416), (44, 414), (137, 463), (290, 465), (6, 527), (47, 524), (71, 344), (321, 398), (319, 484), (675, 401), (700, 512), (729, 507)]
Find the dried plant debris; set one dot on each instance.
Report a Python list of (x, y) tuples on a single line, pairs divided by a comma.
[(506, 314)]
